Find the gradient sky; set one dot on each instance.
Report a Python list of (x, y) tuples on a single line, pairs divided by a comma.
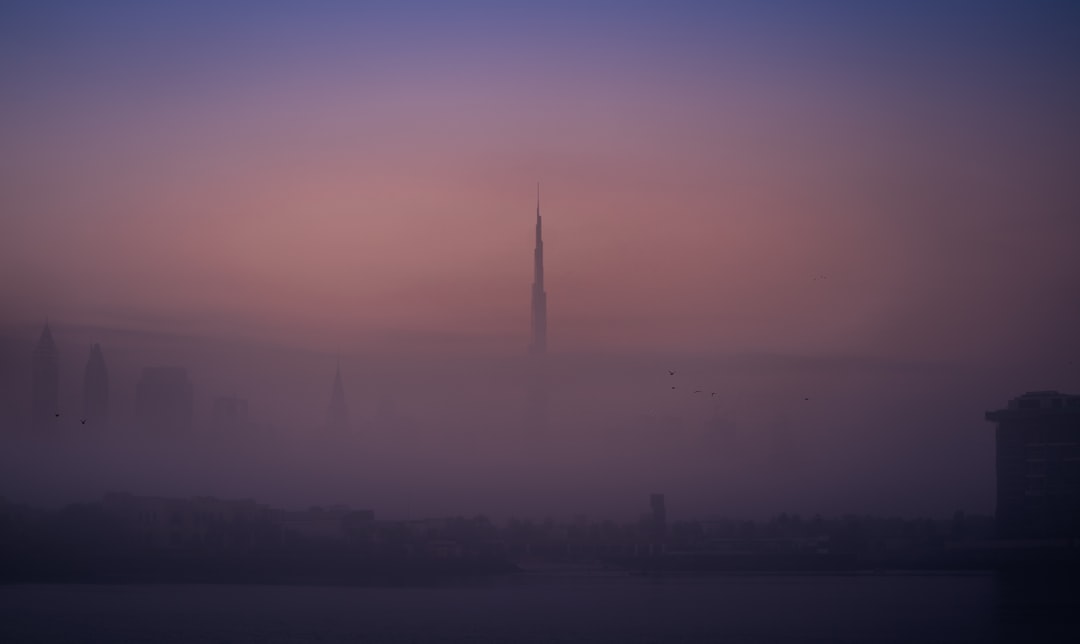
[(328, 174)]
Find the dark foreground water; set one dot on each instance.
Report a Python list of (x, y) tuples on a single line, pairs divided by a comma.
[(768, 609)]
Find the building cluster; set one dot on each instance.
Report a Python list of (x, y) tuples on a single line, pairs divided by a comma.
[(45, 385), (204, 529), (202, 526), (164, 395), (1037, 434), (207, 522), (1037, 465), (1038, 505)]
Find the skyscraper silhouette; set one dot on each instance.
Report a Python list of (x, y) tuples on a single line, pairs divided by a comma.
[(338, 414), (537, 412), (96, 389), (45, 385), (539, 296)]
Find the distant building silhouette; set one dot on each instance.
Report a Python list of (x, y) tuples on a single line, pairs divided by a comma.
[(337, 417), (318, 523), (96, 389), (1038, 466), (229, 412), (164, 399), (537, 405), (538, 344), (45, 384), (179, 523), (210, 523)]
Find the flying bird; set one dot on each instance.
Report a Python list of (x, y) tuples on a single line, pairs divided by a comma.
[(673, 387), (58, 414), (806, 399), (698, 391), (83, 421), (713, 393), (670, 373)]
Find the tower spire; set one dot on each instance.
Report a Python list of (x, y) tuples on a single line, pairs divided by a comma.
[(539, 226), (537, 413), (539, 295)]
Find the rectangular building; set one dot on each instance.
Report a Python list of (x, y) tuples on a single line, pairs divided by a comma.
[(1038, 466)]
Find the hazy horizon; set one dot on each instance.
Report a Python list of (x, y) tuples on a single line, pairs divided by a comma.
[(860, 444)]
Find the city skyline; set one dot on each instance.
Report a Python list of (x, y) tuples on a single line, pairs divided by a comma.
[(165, 399), (382, 434), (95, 389), (848, 232), (287, 351)]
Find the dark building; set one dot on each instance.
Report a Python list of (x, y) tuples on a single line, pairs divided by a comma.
[(164, 399), (229, 412), (1038, 466), (537, 404), (539, 295), (96, 389), (45, 383)]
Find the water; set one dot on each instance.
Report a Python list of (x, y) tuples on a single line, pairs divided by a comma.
[(549, 609)]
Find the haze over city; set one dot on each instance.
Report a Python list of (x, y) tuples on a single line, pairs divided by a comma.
[(856, 226)]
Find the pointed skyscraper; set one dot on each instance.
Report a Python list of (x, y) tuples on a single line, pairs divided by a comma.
[(338, 415), (537, 412), (538, 344), (45, 394), (96, 389)]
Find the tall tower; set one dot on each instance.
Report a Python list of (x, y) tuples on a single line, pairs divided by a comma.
[(45, 384), (338, 414), (537, 412), (96, 389), (539, 296)]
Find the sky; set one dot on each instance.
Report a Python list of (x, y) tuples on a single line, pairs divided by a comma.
[(838, 182), (322, 173)]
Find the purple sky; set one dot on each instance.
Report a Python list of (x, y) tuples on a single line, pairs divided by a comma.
[(317, 174)]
